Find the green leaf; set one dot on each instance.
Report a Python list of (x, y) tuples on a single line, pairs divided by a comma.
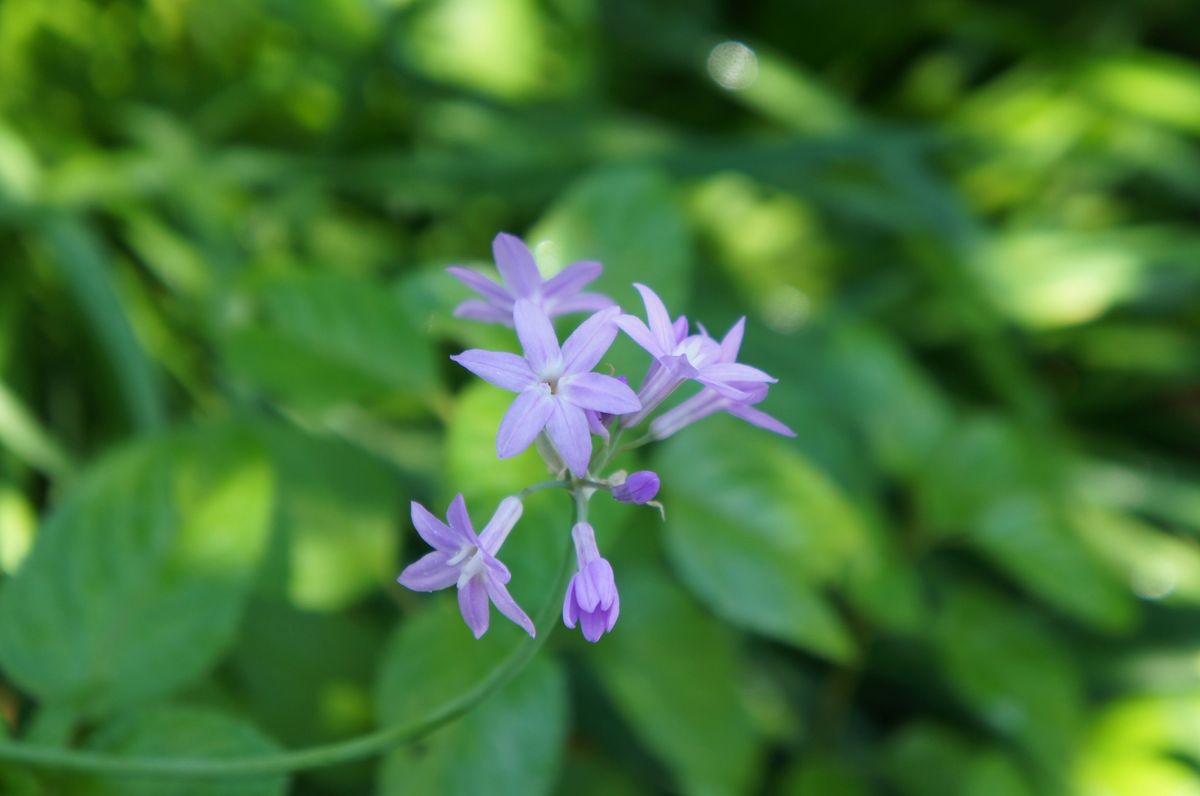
[(1012, 514), (471, 461), (629, 219), (338, 512), (756, 532), (1016, 675), (168, 731), (324, 339), (672, 673), (136, 582), (511, 743), (826, 776), (929, 760)]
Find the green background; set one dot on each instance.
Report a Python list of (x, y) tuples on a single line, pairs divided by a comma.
[(965, 237)]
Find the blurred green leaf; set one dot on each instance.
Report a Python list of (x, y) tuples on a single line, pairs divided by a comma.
[(512, 743), (337, 510), (930, 760), (136, 582), (471, 462), (630, 220), (21, 433), (1129, 744), (1016, 675), (672, 673), (823, 776), (168, 731), (1010, 512), (324, 339), (757, 533)]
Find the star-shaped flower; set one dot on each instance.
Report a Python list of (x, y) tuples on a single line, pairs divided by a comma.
[(554, 386), (461, 558), (679, 357), (708, 401), (592, 600), (558, 295)]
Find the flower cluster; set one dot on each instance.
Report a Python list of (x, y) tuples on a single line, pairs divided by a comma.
[(561, 404)]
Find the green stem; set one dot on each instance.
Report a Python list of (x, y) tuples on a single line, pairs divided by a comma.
[(529, 490), (317, 756)]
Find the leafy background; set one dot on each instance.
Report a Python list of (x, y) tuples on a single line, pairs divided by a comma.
[(965, 237)]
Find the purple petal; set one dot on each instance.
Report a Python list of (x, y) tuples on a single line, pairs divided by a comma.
[(613, 611), (459, 519), (536, 335), (761, 419), (587, 595), (498, 367), (435, 532), (587, 344), (429, 573), (508, 606), (571, 279), (570, 609), (639, 487), (580, 302), (596, 425), (600, 573), (567, 429), (657, 317), (473, 603), (640, 334), (593, 625), (680, 328), (501, 523), (480, 284), (524, 420), (598, 392), (476, 310), (734, 371), (496, 569), (516, 265), (731, 343)]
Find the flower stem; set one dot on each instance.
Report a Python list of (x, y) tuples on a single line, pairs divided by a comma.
[(529, 490), (362, 746)]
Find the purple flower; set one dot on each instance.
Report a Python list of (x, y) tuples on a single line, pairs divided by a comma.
[(708, 401), (554, 386), (592, 598), (678, 357), (461, 558), (639, 487), (558, 295)]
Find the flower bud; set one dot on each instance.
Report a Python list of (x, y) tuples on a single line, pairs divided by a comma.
[(639, 487)]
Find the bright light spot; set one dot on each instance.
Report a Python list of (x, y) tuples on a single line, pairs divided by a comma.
[(1154, 579), (733, 65), (17, 525), (786, 309), (549, 257)]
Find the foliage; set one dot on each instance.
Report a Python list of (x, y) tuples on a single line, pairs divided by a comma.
[(963, 235)]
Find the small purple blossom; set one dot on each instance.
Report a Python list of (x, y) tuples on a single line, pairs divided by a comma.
[(558, 295), (639, 487), (461, 558), (709, 401), (592, 600), (679, 357), (554, 386)]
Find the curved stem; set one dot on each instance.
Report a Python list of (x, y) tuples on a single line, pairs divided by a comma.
[(317, 756), (555, 484)]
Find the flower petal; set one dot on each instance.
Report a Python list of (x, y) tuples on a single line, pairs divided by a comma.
[(734, 371), (680, 328), (436, 533), (580, 302), (598, 392), (587, 344), (571, 279), (570, 609), (516, 265), (480, 284), (586, 593), (508, 606), (593, 625), (567, 429), (756, 417), (731, 343), (498, 367), (429, 573), (524, 420), (657, 317), (640, 334), (600, 572), (614, 611), (460, 520), (476, 310), (501, 523), (536, 335), (473, 603)]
